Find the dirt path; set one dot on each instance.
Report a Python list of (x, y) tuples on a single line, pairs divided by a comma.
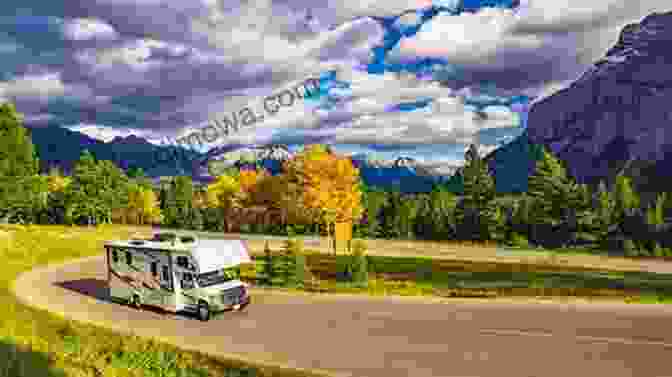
[(387, 337)]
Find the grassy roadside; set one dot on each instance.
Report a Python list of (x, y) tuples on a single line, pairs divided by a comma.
[(421, 276), (38, 343), (467, 251)]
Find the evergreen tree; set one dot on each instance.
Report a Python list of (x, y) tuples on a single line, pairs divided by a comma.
[(655, 219), (436, 215), (179, 202), (626, 203), (391, 216), (96, 191), (22, 192), (561, 205), (625, 198), (549, 186), (374, 200), (18, 157), (605, 210), (476, 214), (408, 212)]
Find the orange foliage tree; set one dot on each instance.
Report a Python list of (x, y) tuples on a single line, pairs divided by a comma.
[(330, 184)]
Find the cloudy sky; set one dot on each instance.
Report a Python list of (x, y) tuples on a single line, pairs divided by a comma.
[(415, 78)]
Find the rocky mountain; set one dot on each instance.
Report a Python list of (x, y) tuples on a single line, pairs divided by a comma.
[(59, 146), (616, 116)]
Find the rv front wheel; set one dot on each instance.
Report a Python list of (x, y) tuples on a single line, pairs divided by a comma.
[(203, 311), (135, 302)]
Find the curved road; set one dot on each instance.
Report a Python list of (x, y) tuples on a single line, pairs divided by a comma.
[(386, 337)]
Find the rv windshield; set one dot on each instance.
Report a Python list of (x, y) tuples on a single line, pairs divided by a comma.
[(216, 277)]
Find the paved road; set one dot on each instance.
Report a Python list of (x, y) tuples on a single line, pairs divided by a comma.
[(388, 337)]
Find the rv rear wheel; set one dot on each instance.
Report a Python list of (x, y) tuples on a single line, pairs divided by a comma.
[(203, 311), (135, 302)]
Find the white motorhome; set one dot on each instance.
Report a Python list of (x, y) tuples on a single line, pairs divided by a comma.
[(178, 273)]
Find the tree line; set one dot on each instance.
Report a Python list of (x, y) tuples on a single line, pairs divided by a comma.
[(318, 188)]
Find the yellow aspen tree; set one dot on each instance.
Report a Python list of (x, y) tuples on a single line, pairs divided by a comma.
[(151, 211), (330, 185)]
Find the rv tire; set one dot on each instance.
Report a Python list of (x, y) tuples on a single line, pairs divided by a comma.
[(135, 302), (203, 311)]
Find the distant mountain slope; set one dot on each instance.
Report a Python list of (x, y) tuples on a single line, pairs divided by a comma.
[(615, 117), (59, 146), (618, 112)]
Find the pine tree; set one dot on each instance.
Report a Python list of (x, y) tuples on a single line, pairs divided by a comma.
[(604, 212), (97, 190), (22, 192), (655, 218), (18, 157), (626, 202), (549, 187), (374, 200), (476, 214), (179, 202)]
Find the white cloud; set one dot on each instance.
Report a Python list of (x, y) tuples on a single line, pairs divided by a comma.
[(472, 39), (106, 133), (88, 28), (43, 86), (451, 122)]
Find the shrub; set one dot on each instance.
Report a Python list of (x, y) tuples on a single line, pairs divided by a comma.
[(629, 248), (267, 266), (343, 268), (519, 240), (296, 268), (360, 272), (657, 250)]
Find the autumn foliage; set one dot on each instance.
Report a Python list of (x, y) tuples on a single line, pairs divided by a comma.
[(316, 186)]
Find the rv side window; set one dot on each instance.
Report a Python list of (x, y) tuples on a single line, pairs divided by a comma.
[(129, 258), (154, 269), (115, 256), (164, 271), (182, 261), (187, 281)]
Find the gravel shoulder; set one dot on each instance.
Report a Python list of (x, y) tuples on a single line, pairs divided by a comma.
[(348, 335)]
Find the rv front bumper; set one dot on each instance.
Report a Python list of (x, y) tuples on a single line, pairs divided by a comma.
[(227, 303)]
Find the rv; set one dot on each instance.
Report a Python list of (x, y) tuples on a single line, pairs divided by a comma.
[(178, 273)]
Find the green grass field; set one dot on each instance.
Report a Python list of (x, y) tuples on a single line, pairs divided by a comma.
[(426, 276), (35, 343)]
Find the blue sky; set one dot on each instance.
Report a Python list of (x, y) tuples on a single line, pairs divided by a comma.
[(415, 78)]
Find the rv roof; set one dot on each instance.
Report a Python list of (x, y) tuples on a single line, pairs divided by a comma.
[(177, 246)]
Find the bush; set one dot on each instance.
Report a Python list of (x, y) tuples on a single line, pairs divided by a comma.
[(295, 266), (360, 272), (268, 270), (629, 248), (519, 240), (658, 251), (343, 268)]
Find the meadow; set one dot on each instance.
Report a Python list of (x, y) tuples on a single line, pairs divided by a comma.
[(424, 276)]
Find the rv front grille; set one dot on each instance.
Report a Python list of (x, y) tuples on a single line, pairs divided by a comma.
[(232, 296)]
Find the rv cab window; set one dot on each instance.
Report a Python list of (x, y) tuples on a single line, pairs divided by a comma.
[(187, 281), (182, 261), (166, 275)]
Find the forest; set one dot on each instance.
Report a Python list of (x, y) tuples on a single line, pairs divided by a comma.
[(318, 187)]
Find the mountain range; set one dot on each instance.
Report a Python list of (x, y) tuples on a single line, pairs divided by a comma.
[(615, 117)]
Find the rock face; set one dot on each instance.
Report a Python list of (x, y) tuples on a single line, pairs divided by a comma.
[(618, 112)]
